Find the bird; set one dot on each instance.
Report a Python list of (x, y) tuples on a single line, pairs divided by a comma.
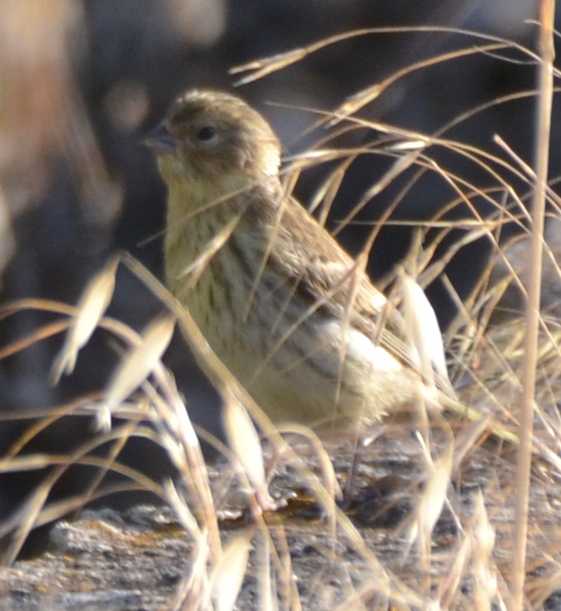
[(291, 314)]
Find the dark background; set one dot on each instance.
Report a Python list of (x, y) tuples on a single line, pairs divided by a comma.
[(81, 82)]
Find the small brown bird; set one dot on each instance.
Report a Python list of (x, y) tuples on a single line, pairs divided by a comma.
[(284, 307)]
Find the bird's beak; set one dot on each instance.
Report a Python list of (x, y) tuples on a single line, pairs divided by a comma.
[(160, 141)]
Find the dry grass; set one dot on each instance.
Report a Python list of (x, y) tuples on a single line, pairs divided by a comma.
[(454, 549)]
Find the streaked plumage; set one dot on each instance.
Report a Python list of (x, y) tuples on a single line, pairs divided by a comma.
[(280, 302)]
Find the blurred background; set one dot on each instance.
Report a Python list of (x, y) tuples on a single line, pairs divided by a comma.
[(81, 82)]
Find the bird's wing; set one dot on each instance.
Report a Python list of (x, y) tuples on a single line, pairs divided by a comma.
[(320, 267), (344, 288)]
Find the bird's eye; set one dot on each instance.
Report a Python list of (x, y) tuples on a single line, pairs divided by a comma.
[(206, 133)]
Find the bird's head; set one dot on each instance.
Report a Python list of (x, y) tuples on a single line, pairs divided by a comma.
[(211, 137)]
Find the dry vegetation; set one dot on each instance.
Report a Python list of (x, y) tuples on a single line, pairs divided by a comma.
[(431, 521)]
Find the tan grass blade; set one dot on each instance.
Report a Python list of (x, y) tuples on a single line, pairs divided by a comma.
[(24, 463), (533, 282), (425, 339), (23, 522), (261, 67), (91, 307), (431, 502), (194, 589), (483, 537), (267, 598), (449, 586), (244, 441), (227, 577), (135, 366)]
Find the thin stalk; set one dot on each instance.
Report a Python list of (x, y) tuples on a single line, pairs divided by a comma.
[(533, 284)]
